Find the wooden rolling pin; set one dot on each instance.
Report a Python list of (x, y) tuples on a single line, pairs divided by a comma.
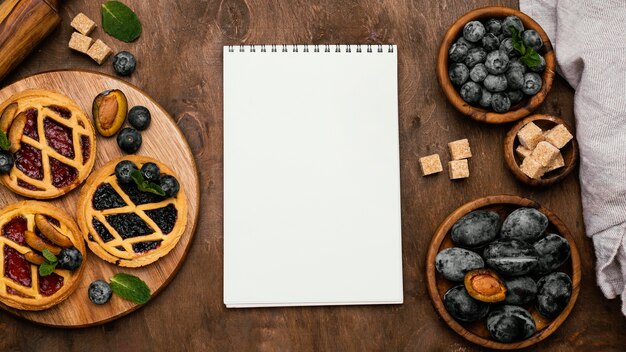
[(23, 25)]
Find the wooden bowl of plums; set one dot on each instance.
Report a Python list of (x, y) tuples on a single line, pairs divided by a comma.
[(495, 64), (503, 272)]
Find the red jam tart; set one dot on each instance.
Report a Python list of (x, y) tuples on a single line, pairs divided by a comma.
[(26, 229), (52, 141), (124, 225)]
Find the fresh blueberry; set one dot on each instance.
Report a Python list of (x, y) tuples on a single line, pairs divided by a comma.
[(494, 26), (516, 63), (485, 99), (478, 73), (511, 21), (139, 117), (99, 292), (495, 83), (170, 185), (491, 42), (458, 73), (500, 102), (506, 46), (515, 96), (515, 78), (532, 83), (69, 258), (6, 162), (471, 92), (124, 63), (532, 39), (474, 31), (541, 66), (123, 170), (150, 172), (475, 56), (458, 51), (129, 140), (497, 62)]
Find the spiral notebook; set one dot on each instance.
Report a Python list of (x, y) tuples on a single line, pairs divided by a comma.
[(311, 176)]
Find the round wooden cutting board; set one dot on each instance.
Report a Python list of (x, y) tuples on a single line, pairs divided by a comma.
[(163, 141)]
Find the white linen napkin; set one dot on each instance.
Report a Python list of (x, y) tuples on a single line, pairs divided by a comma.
[(589, 39)]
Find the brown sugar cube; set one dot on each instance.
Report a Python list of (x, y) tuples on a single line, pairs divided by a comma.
[(80, 42), (458, 169), (544, 154), (531, 168), (530, 135), (558, 163), (431, 165), (460, 149), (558, 136), (83, 24), (99, 51), (523, 151)]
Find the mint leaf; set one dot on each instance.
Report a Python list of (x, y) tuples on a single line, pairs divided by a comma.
[(49, 255), (5, 143), (120, 22), (47, 268), (130, 288), (531, 58), (145, 185), (518, 43)]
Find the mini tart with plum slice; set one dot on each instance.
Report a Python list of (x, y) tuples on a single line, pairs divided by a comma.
[(52, 142), (26, 229), (127, 226)]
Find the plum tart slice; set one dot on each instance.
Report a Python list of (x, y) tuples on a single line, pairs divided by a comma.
[(125, 225), (52, 142), (26, 229)]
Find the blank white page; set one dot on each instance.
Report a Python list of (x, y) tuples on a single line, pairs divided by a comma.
[(311, 176)]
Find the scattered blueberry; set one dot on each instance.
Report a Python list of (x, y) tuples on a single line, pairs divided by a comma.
[(511, 21), (478, 73), (494, 26), (532, 83), (532, 39), (474, 31), (475, 56), (124, 63), (139, 117), (99, 292), (123, 170), (150, 172), (497, 62), (129, 140), (495, 83), (69, 258), (6, 162), (458, 73), (471, 92), (500, 102), (169, 185)]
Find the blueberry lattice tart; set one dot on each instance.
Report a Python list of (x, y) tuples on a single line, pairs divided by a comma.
[(27, 229), (52, 143), (132, 211)]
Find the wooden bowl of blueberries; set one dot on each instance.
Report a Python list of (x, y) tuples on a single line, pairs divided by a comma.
[(503, 272), (495, 64)]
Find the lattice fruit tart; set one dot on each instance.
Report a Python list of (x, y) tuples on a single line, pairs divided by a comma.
[(126, 225), (52, 142), (27, 228)]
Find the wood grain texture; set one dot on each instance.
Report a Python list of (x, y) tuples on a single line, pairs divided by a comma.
[(162, 141), (521, 109), (180, 66), (513, 160), (437, 285)]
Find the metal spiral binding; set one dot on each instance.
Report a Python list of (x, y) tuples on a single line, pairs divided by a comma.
[(312, 47)]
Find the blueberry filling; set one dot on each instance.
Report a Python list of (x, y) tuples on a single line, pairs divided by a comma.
[(165, 217), (105, 197), (142, 247), (138, 197), (102, 231), (129, 225)]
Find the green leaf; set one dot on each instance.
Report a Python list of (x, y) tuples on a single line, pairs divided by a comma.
[(531, 58), (49, 255), (47, 268), (130, 288), (518, 43), (120, 22), (145, 185), (5, 143)]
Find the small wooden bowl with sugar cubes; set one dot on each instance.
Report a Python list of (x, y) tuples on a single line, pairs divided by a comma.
[(541, 150)]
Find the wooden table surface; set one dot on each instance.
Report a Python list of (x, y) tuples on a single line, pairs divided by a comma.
[(180, 65)]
